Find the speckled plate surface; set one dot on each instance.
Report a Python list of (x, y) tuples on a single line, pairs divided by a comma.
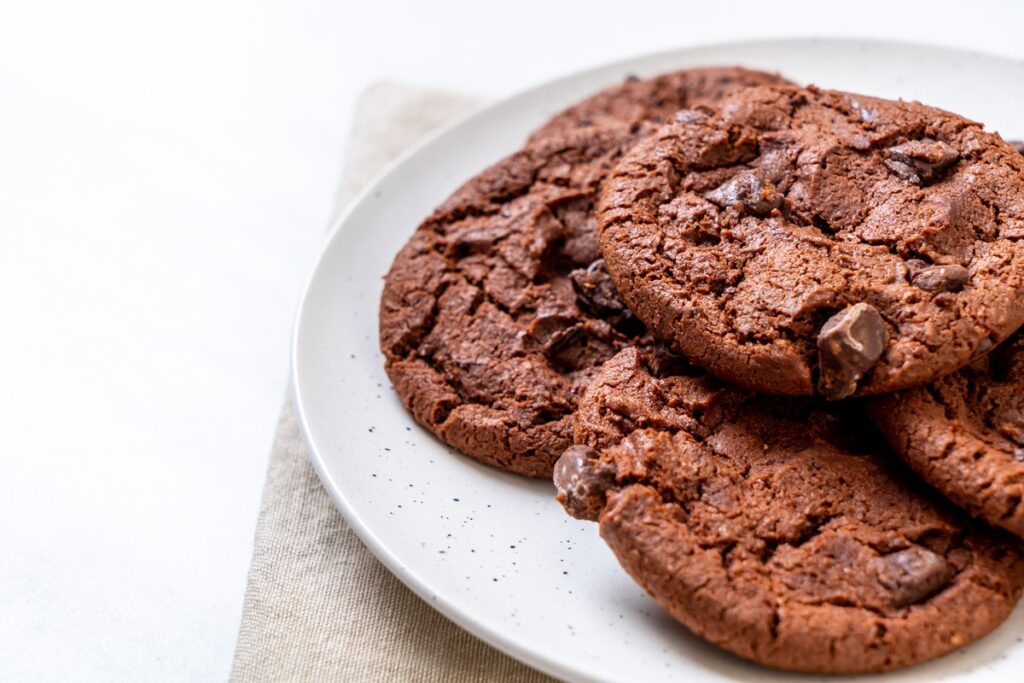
[(495, 552)]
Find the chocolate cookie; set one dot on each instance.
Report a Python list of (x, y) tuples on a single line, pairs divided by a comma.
[(779, 529), (498, 311), (964, 434), (655, 99), (802, 240)]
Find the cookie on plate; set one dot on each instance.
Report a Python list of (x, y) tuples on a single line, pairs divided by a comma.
[(778, 528), (655, 99), (799, 241), (964, 434), (498, 311)]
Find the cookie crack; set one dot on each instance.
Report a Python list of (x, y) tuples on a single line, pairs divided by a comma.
[(816, 528)]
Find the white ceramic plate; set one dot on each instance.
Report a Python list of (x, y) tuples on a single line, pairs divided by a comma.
[(495, 552)]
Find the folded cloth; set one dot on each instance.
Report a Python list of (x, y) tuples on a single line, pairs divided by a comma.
[(318, 605)]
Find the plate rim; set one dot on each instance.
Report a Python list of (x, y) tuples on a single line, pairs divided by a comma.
[(465, 620)]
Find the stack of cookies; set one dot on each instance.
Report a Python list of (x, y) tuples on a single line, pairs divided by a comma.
[(766, 337)]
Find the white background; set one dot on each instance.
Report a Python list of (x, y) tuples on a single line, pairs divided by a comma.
[(167, 172)]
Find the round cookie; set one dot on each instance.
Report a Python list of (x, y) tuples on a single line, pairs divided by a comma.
[(800, 240), (498, 311), (655, 99), (778, 528), (964, 434)]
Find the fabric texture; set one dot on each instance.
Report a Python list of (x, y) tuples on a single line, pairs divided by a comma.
[(318, 605)]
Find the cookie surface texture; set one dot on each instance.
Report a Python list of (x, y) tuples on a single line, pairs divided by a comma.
[(964, 434), (497, 312), (655, 99)]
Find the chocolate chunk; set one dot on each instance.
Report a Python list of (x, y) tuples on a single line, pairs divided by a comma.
[(547, 325), (1018, 454), (946, 278), (921, 161), (757, 196), (1017, 145), (913, 574), (582, 345), (905, 171), (560, 342), (581, 481), (661, 361), (595, 290), (848, 345)]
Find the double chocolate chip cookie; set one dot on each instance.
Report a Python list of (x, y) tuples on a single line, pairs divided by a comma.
[(779, 529), (499, 310), (964, 434), (798, 241)]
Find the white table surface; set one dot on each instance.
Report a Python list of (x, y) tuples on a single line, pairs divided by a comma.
[(167, 172)]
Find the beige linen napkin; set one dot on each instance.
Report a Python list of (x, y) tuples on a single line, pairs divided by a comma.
[(318, 605)]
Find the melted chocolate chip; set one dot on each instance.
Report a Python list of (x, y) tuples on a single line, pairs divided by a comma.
[(849, 344), (545, 326), (582, 480), (945, 278), (595, 290), (661, 361), (582, 344), (913, 574), (748, 189), (559, 345), (1017, 145), (921, 161)]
